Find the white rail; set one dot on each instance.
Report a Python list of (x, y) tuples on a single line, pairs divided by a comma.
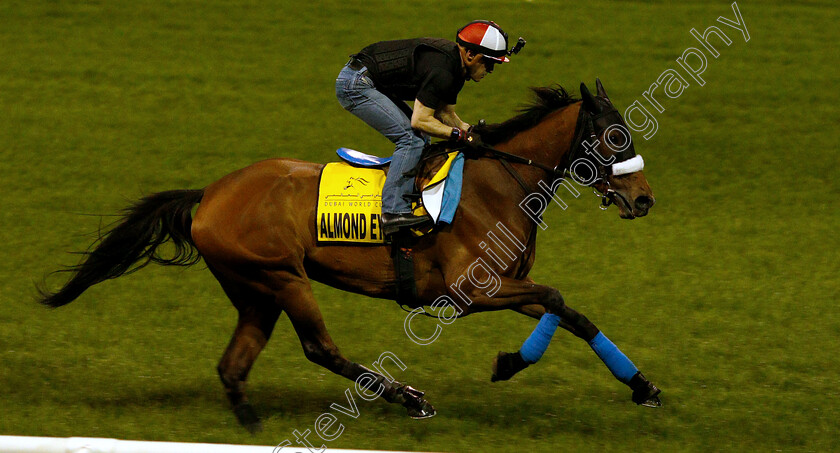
[(22, 444)]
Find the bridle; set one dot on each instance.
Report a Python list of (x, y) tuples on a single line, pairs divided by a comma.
[(623, 163)]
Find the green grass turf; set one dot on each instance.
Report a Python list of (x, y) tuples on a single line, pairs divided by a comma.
[(725, 295)]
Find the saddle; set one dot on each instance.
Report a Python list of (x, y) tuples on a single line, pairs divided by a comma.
[(437, 183)]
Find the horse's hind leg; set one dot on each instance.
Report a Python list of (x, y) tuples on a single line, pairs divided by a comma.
[(257, 315), (319, 348)]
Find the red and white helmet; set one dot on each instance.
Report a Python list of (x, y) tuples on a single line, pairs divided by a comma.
[(486, 38)]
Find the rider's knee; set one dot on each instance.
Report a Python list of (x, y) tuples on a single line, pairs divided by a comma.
[(411, 140)]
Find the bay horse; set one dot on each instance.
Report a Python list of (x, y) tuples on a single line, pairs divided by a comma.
[(255, 229)]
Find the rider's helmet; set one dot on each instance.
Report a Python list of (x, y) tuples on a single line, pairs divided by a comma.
[(486, 38)]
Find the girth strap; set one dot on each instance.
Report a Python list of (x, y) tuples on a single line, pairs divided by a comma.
[(402, 256)]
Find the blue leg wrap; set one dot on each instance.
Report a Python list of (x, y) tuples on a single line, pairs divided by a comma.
[(537, 343), (618, 363)]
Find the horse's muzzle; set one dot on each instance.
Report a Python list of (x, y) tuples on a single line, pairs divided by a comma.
[(642, 204)]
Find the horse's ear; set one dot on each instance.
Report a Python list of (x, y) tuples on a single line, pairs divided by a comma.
[(588, 101), (601, 92)]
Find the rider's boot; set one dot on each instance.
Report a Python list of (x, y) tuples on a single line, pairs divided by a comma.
[(392, 223)]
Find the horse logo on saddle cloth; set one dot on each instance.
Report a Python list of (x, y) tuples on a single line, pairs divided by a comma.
[(350, 196)]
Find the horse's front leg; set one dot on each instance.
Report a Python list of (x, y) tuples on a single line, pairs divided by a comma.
[(546, 304), (505, 365)]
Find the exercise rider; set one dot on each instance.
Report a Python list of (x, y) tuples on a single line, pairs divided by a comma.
[(374, 84)]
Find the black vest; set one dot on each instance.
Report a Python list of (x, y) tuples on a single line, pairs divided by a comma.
[(391, 63)]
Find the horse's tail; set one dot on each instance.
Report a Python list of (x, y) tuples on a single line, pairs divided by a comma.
[(145, 226)]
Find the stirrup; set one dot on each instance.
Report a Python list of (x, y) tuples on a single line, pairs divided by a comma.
[(406, 225)]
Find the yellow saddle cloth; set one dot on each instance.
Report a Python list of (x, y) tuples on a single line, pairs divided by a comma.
[(350, 202)]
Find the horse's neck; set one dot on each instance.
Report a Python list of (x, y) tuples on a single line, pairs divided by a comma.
[(550, 140), (546, 143)]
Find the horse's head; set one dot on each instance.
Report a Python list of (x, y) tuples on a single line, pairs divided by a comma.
[(616, 170)]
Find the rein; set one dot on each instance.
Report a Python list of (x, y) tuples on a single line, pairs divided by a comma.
[(584, 125)]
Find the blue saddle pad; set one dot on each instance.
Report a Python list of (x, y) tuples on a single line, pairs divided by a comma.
[(358, 158)]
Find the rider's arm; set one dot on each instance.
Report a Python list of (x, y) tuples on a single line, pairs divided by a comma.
[(447, 116), (423, 119)]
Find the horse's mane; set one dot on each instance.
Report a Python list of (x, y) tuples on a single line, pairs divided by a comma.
[(546, 100)]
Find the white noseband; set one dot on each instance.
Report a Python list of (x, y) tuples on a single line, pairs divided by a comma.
[(628, 166)]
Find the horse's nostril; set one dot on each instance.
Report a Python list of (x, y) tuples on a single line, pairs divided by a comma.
[(643, 203)]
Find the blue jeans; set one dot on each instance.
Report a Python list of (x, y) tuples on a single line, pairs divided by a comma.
[(356, 93)]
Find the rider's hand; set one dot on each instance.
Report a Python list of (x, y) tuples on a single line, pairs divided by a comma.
[(470, 139), (481, 123), (473, 140)]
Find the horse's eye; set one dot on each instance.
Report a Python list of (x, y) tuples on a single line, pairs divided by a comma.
[(616, 140)]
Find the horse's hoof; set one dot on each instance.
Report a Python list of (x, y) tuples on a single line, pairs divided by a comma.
[(506, 365), (247, 417), (644, 392), (415, 404), (652, 402), (425, 410)]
